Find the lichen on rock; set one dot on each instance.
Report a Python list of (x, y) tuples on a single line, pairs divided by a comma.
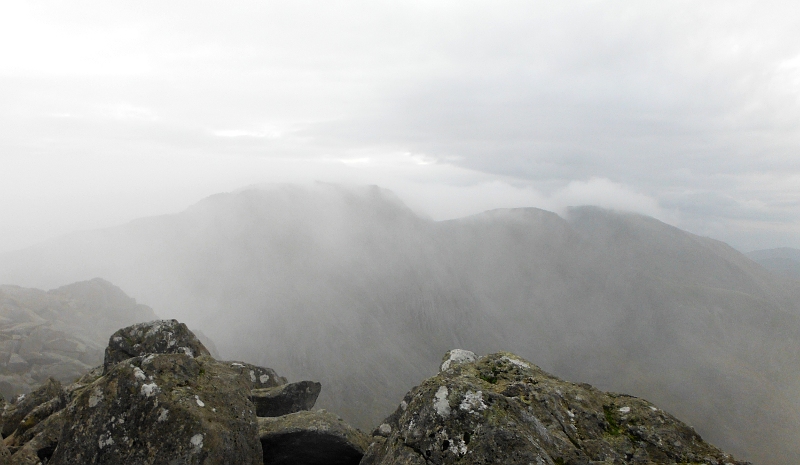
[(503, 409)]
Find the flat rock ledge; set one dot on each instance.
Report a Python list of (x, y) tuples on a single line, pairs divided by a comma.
[(285, 399), (310, 438)]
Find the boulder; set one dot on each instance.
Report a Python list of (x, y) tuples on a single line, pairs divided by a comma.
[(503, 409), (162, 408), (285, 399), (310, 438), (154, 337), (50, 396)]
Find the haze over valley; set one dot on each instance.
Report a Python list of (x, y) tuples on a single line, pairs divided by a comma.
[(338, 193), (347, 285)]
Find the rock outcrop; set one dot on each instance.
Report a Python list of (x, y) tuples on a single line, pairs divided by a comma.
[(503, 409), (155, 337), (160, 398)]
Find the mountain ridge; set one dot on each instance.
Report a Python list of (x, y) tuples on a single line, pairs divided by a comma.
[(622, 301)]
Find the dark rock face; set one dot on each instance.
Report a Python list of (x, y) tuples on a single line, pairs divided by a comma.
[(310, 438), (154, 337), (162, 408), (502, 409), (282, 400)]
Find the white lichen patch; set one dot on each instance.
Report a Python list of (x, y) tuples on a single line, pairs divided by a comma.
[(404, 405), (197, 442), (234, 364), (385, 428), (653, 408), (199, 402), (187, 351), (163, 415), (149, 390), (148, 359), (95, 397), (472, 401), (139, 374), (624, 409), (516, 362), (105, 440), (264, 379), (252, 376), (440, 402), (457, 356), (571, 415), (458, 447)]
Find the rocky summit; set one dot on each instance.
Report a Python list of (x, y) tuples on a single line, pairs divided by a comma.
[(503, 409), (160, 398)]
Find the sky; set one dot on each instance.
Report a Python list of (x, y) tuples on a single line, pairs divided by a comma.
[(687, 111)]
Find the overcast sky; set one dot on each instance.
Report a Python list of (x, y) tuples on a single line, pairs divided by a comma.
[(688, 111)]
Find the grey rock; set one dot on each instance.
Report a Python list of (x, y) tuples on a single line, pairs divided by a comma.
[(17, 364), (310, 438), (5, 454), (39, 442), (257, 377), (162, 409), (285, 399), (503, 409), (154, 337), (14, 413)]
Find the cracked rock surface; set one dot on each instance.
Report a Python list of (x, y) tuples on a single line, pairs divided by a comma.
[(503, 409)]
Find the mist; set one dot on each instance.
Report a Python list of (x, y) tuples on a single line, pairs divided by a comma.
[(347, 285), (343, 191), (690, 112)]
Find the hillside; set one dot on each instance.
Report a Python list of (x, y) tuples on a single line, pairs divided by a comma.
[(783, 261), (60, 333), (348, 286)]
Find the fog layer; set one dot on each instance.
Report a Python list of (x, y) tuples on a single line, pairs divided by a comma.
[(350, 287)]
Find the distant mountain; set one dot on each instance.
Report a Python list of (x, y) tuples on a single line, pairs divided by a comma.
[(350, 287), (784, 261), (60, 333)]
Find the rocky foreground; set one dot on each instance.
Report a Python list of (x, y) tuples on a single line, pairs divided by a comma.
[(161, 398)]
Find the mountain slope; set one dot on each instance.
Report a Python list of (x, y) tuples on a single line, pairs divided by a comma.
[(348, 286), (783, 261), (60, 333)]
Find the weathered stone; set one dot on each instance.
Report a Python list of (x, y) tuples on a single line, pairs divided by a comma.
[(154, 337), (503, 409), (310, 438), (162, 409), (14, 413), (5, 455), (285, 399), (39, 442), (257, 377)]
